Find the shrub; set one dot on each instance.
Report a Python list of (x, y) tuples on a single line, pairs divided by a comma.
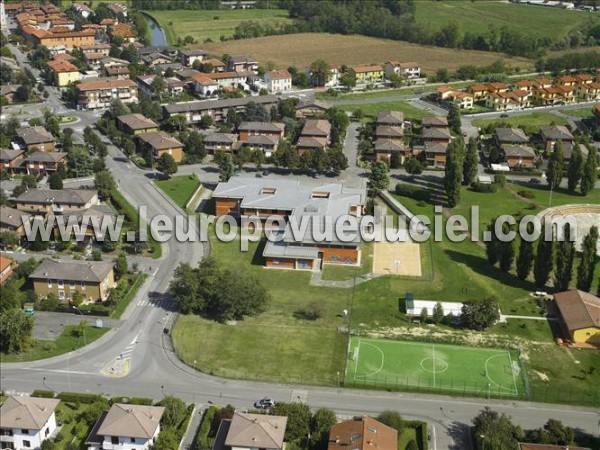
[(526, 194), (500, 179), (79, 397), (414, 192), (203, 441), (42, 393), (484, 188)]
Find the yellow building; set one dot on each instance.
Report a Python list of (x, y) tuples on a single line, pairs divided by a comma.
[(93, 279), (64, 72), (580, 316), (368, 74)]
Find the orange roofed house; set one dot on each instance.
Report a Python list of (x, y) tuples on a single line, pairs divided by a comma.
[(362, 433), (68, 39), (289, 200), (5, 268)]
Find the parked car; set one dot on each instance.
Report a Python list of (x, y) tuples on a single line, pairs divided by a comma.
[(503, 115), (264, 403), (534, 181)]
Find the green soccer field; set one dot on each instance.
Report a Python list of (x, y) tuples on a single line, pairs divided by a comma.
[(422, 366)]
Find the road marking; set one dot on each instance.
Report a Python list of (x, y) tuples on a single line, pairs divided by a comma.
[(74, 372)]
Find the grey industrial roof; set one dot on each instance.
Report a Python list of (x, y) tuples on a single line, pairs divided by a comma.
[(90, 271), (281, 249), (27, 412), (61, 196), (206, 105), (512, 135)]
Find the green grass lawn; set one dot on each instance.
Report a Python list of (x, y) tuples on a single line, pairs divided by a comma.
[(278, 345), (532, 121), (433, 367), (560, 196), (372, 109), (581, 112), (66, 342), (212, 24), (180, 189), (374, 94), (476, 17)]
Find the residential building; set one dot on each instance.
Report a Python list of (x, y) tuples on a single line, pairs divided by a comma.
[(406, 70), (588, 92), (99, 94), (167, 50), (278, 81), (462, 99), (160, 143), (519, 156), (123, 30), (583, 78), (443, 93), (82, 9), (435, 154), (213, 65), (315, 135), (597, 113), (579, 314), (566, 80), (98, 47), (391, 118), (478, 91), (136, 124), (497, 88), (188, 57), (154, 59), (118, 8), (162, 68), (6, 269), (12, 220), (55, 201), (366, 74), (434, 122), (67, 39), (35, 138), (220, 142), (310, 109), (26, 422), (362, 433), (11, 159), (250, 432), (64, 72), (267, 144), (93, 279), (209, 83), (116, 72), (389, 136), (526, 446), (126, 426), (384, 148), (510, 136), (525, 85), (436, 135), (541, 83), (242, 63), (551, 134), (271, 129), (43, 163), (256, 197), (8, 91), (217, 109)]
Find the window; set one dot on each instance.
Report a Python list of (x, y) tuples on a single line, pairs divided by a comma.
[(61, 295), (47, 432), (49, 283), (114, 439), (61, 284), (71, 284), (24, 431), (133, 440), (26, 444)]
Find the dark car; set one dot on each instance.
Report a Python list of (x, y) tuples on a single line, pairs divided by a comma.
[(534, 181), (264, 403), (503, 115)]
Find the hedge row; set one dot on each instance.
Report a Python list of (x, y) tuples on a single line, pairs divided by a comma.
[(133, 400), (203, 442), (485, 188), (421, 432), (414, 192), (43, 394), (78, 397)]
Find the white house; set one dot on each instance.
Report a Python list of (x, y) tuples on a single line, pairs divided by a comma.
[(126, 427), (26, 422), (278, 81)]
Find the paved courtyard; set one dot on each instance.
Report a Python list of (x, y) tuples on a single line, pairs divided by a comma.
[(49, 325)]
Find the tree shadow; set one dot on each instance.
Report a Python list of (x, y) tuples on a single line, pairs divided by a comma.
[(258, 258), (460, 434), (163, 300), (482, 267)]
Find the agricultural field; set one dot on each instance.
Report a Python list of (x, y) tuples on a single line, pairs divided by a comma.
[(476, 17), (212, 24), (302, 49)]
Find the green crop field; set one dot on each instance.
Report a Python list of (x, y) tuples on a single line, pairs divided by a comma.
[(434, 367), (477, 16), (212, 24)]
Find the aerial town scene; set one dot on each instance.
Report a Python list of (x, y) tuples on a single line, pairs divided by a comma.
[(300, 224)]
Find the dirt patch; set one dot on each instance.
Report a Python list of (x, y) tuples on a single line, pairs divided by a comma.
[(541, 375), (302, 49), (397, 258)]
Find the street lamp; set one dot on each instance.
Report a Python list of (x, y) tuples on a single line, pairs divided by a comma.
[(79, 311), (482, 436)]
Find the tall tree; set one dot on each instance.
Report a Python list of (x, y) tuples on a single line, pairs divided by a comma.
[(320, 72), (166, 165), (588, 179), (453, 176), (544, 260), (492, 245), (525, 259), (556, 167), (589, 258), (506, 253), (454, 119), (480, 314), (565, 255), (575, 169), (15, 331), (226, 167), (104, 183), (470, 164), (379, 179), (495, 431)]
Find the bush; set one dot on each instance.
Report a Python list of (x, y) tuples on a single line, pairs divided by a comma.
[(500, 179), (526, 194), (203, 441), (132, 400), (42, 393), (414, 192), (484, 188), (79, 397)]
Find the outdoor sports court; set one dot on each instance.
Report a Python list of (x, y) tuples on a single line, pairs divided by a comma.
[(407, 365), (397, 258)]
